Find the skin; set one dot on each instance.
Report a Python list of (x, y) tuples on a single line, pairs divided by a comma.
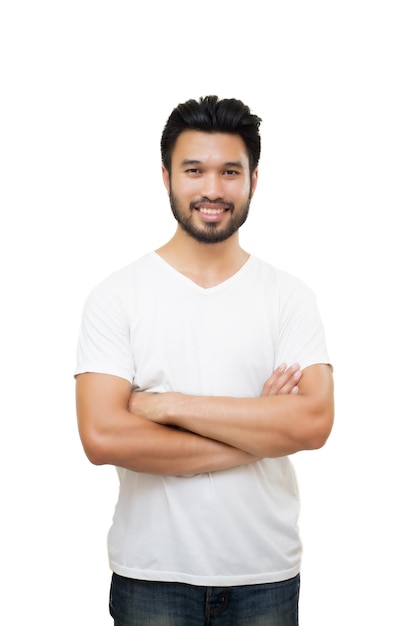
[(211, 185), (200, 186)]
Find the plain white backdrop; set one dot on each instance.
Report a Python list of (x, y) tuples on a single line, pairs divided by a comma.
[(86, 89)]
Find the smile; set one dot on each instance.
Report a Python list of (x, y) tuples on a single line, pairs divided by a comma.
[(212, 211)]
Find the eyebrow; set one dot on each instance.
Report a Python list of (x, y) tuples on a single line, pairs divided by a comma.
[(237, 164)]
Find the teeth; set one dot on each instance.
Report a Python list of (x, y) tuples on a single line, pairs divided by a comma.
[(211, 211)]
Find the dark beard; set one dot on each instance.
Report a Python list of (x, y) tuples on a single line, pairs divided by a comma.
[(210, 232)]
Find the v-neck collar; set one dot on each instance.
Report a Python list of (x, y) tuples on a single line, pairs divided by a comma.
[(207, 290)]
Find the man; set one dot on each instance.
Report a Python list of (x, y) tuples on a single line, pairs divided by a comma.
[(182, 384)]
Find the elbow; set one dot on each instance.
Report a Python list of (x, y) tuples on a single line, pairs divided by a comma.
[(307, 431), (95, 455), (318, 430), (94, 448), (317, 440)]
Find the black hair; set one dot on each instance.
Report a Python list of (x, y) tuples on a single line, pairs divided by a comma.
[(211, 115)]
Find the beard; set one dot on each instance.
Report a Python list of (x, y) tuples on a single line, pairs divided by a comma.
[(210, 232)]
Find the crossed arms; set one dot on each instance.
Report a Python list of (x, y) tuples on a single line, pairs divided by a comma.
[(135, 430)]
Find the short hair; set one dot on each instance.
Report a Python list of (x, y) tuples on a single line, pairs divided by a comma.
[(211, 115)]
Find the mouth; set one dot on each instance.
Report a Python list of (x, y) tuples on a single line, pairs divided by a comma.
[(211, 211)]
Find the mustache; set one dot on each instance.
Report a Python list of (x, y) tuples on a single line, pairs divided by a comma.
[(227, 205)]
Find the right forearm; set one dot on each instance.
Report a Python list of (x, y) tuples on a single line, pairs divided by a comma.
[(112, 434), (155, 449)]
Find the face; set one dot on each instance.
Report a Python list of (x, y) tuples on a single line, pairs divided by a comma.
[(210, 186)]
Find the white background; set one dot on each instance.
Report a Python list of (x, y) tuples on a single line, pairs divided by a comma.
[(86, 88)]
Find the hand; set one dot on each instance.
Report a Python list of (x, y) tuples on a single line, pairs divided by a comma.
[(284, 380), (144, 404)]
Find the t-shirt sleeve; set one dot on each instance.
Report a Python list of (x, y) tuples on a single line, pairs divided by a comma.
[(104, 338), (301, 337)]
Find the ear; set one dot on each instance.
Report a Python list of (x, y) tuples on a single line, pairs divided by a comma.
[(254, 181), (165, 177)]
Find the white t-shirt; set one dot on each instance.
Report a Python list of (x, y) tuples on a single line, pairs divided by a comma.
[(162, 332)]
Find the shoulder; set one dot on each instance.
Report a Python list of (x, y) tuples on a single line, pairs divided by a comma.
[(125, 278), (279, 279)]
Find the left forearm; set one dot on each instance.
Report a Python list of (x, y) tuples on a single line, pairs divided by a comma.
[(266, 426)]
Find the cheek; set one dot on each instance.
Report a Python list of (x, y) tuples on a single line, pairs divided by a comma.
[(243, 192), (185, 188)]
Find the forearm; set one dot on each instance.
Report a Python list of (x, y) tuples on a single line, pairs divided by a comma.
[(112, 434), (143, 446), (268, 426)]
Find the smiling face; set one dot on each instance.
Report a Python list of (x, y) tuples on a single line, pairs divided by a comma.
[(210, 185)]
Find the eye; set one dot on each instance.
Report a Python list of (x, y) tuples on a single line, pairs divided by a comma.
[(231, 173), (193, 171)]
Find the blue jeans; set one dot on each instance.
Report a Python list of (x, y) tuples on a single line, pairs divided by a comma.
[(144, 603)]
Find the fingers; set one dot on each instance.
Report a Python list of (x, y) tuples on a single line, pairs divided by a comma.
[(284, 380)]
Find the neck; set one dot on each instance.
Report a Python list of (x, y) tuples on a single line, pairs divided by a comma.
[(205, 264)]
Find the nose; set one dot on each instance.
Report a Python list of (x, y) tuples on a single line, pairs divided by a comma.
[(212, 186)]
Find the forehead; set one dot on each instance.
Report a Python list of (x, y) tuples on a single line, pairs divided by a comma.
[(210, 147)]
